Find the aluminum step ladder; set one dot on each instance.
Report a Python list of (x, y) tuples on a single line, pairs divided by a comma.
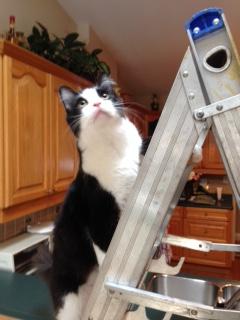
[(205, 95)]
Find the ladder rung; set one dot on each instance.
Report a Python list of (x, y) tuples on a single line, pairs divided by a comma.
[(168, 304), (200, 245)]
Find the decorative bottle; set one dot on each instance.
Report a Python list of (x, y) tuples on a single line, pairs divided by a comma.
[(11, 33)]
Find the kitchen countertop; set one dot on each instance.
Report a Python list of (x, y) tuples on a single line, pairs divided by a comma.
[(28, 298), (225, 203), (24, 297)]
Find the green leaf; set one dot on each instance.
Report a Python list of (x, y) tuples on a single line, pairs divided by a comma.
[(96, 52), (76, 44), (105, 68), (42, 26), (35, 32), (71, 37)]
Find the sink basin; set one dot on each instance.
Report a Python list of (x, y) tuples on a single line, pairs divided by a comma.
[(188, 289), (203, 199)]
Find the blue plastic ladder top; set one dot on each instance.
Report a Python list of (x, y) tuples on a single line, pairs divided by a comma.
[(205, 22)]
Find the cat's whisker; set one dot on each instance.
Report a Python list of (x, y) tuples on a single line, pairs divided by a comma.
[(130, 111), (136, 104)]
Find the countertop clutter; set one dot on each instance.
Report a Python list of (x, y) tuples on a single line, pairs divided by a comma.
[(208, 201)]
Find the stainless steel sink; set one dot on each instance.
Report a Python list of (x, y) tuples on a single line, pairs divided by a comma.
[(188, 289)]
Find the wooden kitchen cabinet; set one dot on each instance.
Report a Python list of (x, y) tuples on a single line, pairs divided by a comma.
[(212, 161), (38, 155), (26, 132), (65, 156), (176, 227), (214, 225), (211, 156)]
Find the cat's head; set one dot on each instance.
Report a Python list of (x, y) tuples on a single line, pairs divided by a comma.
[(91, 105)]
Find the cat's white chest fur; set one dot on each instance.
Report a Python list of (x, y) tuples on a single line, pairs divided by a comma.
[(110, 152)]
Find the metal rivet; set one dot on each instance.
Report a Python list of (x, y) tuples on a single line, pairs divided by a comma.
[(219, 107), (185, 74), (216, 21), (196, 30), (200, 114), (194, 312), (90, 318), (191, 96)]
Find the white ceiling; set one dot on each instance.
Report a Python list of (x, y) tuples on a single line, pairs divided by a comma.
[(146, 37)]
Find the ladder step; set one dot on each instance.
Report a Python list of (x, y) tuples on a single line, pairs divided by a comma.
[(200, 245), (168, 304)]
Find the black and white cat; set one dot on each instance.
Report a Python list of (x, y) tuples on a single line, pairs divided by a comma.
[(109, 148)]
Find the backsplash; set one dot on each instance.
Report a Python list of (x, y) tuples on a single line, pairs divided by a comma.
[(214, 181), (13, 228)]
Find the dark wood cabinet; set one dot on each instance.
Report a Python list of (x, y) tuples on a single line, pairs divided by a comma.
[(203, 224), (212, 162)]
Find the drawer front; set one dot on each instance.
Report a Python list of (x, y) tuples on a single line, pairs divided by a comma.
[(178, 212), (219, 259), (208, 214), (213, 231), (176, 227)]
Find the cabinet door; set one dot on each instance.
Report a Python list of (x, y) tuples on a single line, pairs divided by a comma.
[(1, 138), (215, 231), (176, 228), (64, 151), (211, 156), (26, 132)]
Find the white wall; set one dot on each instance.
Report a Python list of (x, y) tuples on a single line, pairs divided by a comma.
[(52, 15), (27, 12), (95, 42)]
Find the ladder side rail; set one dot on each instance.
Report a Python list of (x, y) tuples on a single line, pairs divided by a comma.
[(154, 190), (226, 130), (177, 306), (219, 85)]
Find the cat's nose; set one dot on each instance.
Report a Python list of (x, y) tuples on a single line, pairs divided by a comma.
[(97, 104)]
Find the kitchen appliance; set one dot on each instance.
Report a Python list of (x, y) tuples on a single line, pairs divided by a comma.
[(16, 254)]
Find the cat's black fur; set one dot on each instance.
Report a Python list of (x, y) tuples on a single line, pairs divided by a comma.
[(89, 213)]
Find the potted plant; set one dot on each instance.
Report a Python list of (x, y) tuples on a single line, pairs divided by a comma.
[(67, 52)]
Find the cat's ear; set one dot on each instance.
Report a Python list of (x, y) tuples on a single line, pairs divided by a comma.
[(105, 80), (68, 97)]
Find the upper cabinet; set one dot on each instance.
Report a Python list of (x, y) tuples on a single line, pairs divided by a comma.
[(212, 161), (26, 132), (211, 156), (38, 154), (65, 157)]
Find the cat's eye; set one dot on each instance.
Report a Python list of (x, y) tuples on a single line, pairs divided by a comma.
[(82, 102), (104, 95)]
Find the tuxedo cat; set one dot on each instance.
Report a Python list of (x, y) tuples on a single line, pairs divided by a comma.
[(109, 149)]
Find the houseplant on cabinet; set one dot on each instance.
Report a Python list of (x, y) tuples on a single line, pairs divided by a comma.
[(67, 52)]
